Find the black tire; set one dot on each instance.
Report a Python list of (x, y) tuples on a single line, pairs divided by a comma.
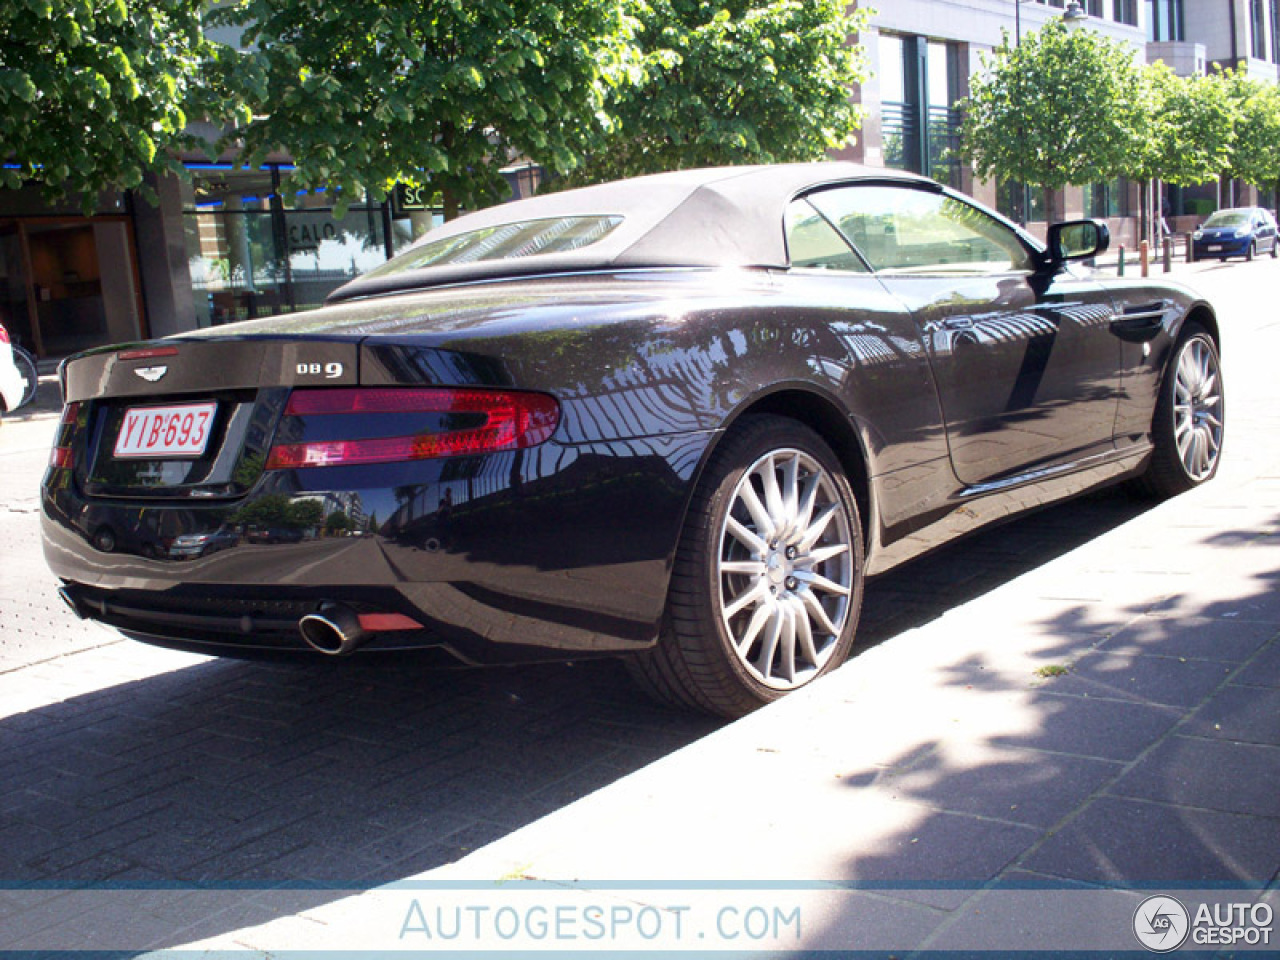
[(1174, 469), (744, 624)]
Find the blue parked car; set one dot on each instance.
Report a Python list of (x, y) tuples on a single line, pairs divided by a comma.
[(1238, 232)]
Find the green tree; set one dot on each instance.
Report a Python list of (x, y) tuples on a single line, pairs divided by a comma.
[(301, 514), (94, 94), (435, 93), (267, 511), (1255, 150), (1063, 108), (736, 81), (1187, 129)]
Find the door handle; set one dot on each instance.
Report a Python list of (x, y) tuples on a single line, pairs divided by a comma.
[(1138, 327)]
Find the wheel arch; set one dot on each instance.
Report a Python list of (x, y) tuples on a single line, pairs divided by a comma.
[(1203, 314), (824, 416)]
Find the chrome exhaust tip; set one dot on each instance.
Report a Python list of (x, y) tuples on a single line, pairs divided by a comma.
[(333, 629)]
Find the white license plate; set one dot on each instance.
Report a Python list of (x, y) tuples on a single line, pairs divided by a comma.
[(181, 431), (1215, 248)]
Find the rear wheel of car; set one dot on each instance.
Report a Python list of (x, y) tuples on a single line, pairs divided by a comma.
[(767, 581), (1190, 417)]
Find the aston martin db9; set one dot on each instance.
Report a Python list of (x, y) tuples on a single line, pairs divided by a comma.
[(676, 419)]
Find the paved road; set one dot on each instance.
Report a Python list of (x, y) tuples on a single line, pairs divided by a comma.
[(132, 765)]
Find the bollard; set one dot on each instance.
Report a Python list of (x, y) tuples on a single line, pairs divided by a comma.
[(1120, 265), (1191, 257), (1144, 258), (1168, 254)]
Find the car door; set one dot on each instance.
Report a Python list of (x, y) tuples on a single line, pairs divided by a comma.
[(1265, 230), (1026, 367)]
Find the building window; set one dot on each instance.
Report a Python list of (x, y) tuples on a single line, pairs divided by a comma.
[(899, 116), (1164, 21), (944, 79), (1258, 27), (1094, 8), (1020, 202), (1125, 11), (256, 247), (1106, 200), (1275, 31), (919, 84)]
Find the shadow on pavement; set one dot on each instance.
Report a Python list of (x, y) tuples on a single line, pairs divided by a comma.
[(354, 774), (1149, 763)]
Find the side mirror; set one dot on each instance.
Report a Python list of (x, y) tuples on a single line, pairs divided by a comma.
[(1077, 240)]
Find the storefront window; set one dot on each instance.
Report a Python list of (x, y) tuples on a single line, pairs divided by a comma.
[(257, 247), (1019, 202)]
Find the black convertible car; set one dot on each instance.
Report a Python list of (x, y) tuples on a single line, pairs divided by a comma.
[(678, 418)]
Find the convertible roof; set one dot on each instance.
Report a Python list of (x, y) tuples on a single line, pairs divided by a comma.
[(714, 217)]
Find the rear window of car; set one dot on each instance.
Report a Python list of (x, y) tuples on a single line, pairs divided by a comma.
[(1228, 218), (508, 241)]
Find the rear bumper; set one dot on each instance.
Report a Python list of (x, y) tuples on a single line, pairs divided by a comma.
[(1204, 249), (561, 551)]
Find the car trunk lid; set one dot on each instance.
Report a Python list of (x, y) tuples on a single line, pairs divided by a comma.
[(188, 419)]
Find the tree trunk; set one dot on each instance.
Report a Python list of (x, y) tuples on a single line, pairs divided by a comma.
[(1144, 210), (450, 203)]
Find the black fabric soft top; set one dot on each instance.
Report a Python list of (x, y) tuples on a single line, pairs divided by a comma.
[(714, 217)]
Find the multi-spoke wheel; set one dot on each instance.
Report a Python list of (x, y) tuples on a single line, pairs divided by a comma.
[(1190, 416), (768, 579)]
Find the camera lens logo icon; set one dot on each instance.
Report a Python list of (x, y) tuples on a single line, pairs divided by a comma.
[(1161, 924)]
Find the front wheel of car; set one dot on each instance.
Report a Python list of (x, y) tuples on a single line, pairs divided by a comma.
[(1190, 417), (767, 582)]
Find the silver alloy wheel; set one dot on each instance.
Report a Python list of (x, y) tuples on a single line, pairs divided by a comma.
[(1197, 408), (785, 569)]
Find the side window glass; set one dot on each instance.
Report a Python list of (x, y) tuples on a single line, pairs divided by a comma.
[(814, 243), (906, 230)]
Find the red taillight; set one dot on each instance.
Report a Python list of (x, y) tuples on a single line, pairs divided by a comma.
[(148, 353), (511, 420), (60, 456), (4, 334)]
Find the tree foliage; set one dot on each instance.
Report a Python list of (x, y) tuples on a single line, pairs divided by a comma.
[(1255, 148), (1063, 108), (96, 93), (440, 93), (734, 81), (1187, 127)]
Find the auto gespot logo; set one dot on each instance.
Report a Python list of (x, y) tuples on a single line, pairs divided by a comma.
[(1162, 924)]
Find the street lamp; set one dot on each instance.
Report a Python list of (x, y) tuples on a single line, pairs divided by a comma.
[(1074, 14)]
